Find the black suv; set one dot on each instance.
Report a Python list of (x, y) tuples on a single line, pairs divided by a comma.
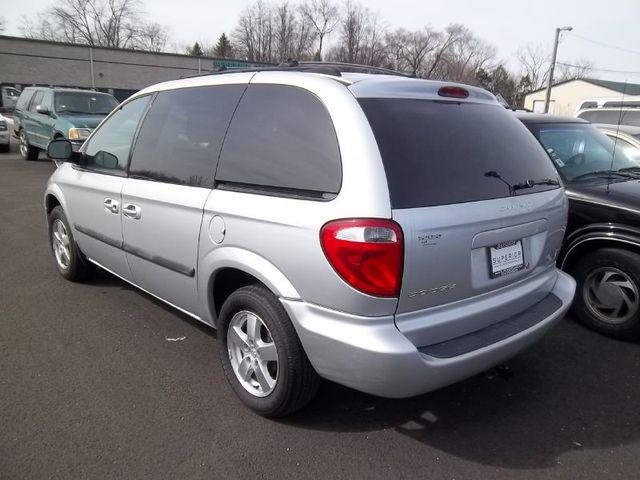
[(602, 245)]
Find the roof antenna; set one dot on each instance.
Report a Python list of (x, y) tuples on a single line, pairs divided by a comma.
[(615, 141)]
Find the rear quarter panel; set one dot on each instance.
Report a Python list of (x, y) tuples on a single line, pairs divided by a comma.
[(285, 232)]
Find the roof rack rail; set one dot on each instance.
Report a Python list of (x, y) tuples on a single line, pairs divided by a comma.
[(327, 68), (354, 68)]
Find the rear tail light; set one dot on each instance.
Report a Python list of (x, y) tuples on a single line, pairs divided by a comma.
[(367, 253), (454, 92)]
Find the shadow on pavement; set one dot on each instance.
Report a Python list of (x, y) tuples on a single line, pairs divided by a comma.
[(575, 390)]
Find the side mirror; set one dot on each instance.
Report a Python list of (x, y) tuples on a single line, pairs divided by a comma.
[(105, 160), (42, 110), (60, 149)]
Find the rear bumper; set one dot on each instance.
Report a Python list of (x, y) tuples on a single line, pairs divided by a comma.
[(371, 355)]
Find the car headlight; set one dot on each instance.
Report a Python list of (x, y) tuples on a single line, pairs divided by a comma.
[(3, 126), (79, 133)]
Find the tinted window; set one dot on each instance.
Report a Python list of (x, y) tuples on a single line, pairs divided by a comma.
[(37, 100), (23, 101), (438, 153), (580, 149), (281, 137), (109, 147), (613, 117), (89, 103), (180, 139)]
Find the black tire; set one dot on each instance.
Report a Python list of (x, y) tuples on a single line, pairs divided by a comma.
[(78, 268), (4, 148), (297, 382), (607, 296), (27, 151)]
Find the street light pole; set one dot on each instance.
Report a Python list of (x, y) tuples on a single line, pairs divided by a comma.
[(553, 65)]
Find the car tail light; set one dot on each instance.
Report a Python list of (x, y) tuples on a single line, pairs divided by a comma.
[(367, 253), (455, 92)]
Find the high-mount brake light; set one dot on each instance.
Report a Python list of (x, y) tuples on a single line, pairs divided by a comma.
[(453, 92), (368, 254)]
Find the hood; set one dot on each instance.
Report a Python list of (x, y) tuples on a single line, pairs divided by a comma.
[(83, 121), (619, 194)]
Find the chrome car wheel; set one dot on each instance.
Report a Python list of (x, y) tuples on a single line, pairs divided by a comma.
[(24, 144), (253, 354), (61, 244), (611, 295)]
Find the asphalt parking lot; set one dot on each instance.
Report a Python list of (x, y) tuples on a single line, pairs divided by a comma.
[(91, 387)]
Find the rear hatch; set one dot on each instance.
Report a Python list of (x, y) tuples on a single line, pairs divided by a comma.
[(480, 205)]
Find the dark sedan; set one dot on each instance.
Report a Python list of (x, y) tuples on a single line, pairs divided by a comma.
[(602, 244)]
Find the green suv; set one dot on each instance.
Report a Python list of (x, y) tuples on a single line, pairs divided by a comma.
[(44, 113)]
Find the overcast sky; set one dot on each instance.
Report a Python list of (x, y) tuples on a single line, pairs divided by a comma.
[(505, 24)]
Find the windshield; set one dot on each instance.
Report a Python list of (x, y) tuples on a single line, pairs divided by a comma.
[(89, 103), (581, 149), (443, 152)]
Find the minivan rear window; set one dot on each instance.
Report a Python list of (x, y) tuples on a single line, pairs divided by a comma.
[(443, 152)]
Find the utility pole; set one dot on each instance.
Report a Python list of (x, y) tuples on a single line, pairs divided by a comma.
[(93, 78), (553, 65)]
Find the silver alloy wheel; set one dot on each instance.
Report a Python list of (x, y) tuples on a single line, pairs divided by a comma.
[(24, 144), (611, 295), (253, 353), (61, 244)]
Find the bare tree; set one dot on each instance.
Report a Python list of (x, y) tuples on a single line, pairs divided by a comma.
[(324, 17), (361, 36), (452, 35), (152, 37), (575, 70), (3, 24), (464, 55), (107, 23), (254, 35), (411, 51), (534, 65), (294, 35)]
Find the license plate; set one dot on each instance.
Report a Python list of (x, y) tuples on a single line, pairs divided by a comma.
[(505, 258)]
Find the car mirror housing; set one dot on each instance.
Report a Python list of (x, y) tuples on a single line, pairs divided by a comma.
[(61, 149), (42, 109)]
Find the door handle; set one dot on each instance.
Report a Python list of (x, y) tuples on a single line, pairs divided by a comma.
[(110, 205), (132, 211)]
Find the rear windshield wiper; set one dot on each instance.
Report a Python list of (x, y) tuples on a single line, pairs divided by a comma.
[(532, 183), (599, 173)]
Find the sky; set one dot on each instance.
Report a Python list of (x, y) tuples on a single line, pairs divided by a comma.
[(505, 24)]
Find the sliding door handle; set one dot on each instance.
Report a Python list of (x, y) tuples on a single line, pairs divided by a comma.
[(110, 205), (132, 211)]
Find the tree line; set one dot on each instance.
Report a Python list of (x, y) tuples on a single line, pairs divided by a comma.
[(334, 30)]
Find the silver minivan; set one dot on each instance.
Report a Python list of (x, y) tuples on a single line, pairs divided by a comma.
[(393, 235)]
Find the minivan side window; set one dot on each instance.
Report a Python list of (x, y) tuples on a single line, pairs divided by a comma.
[(108, 149), (281, 139), (180, 138)]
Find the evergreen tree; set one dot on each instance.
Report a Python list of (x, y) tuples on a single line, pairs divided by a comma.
[(195, 50), (223, 48)]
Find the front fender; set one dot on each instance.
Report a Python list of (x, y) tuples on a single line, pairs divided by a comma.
[(54, 190), (243, 260)]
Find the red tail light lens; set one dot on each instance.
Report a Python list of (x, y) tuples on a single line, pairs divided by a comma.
[(367, 253), (454, 92)]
